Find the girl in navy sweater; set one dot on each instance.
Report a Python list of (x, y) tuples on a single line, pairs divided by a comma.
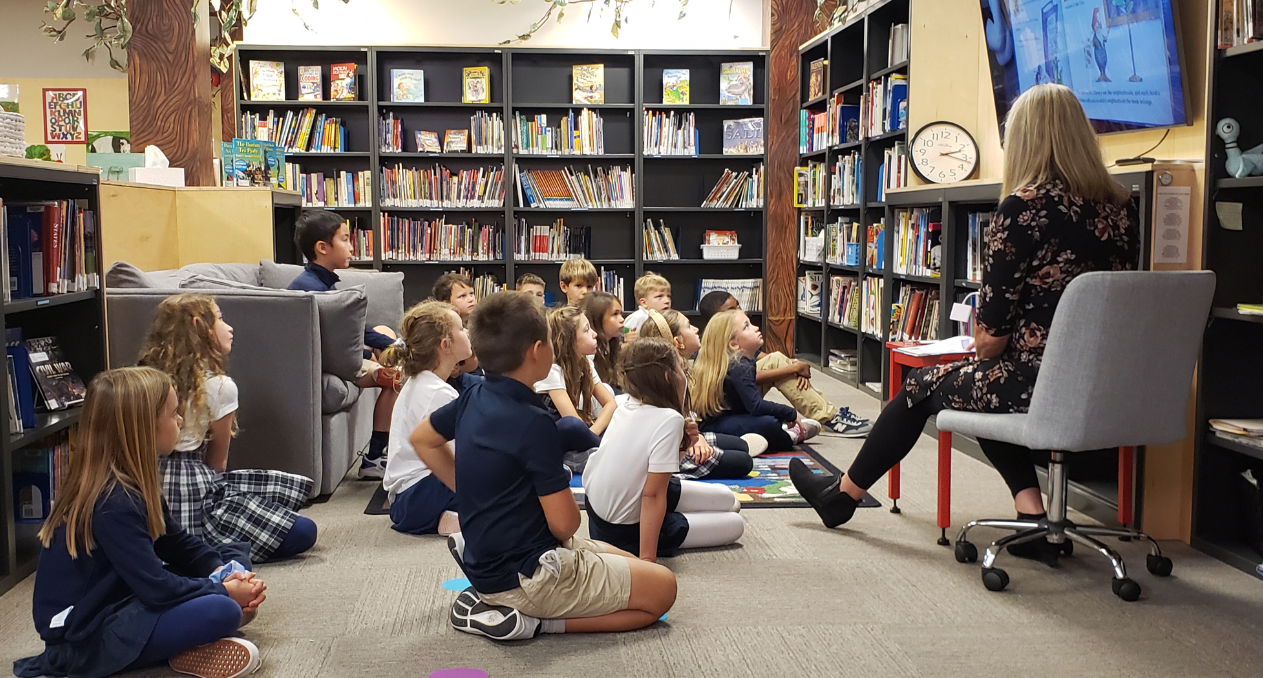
[(724, 391), (119, 585)]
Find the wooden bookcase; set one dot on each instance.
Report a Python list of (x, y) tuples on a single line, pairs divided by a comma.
[(77, 320), (535, 81)]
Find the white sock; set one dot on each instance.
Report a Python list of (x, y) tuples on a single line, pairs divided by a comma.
[(713, 529), (552, 626), (699, 497)]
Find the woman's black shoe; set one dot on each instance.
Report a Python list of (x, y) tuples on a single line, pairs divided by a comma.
[(834, 506)]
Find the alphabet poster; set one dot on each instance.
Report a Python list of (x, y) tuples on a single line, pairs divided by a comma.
[(65, 116)]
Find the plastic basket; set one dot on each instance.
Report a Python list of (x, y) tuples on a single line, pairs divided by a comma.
[(721, 251)]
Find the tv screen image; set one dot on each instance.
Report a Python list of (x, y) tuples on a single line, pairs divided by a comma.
[(1120, 57)]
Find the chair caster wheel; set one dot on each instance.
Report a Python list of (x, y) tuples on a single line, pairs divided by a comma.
[(1126, 589), (966, 552), (1158, 566), (1067, 548), (996, 579)]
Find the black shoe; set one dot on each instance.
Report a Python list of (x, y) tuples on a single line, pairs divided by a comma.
[(471, 615), (834, 506), (1042, 550)]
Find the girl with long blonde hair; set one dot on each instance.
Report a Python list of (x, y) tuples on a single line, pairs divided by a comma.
[(574, 389), (1061, 215), (190, 342), (725, 394), (120, 586)]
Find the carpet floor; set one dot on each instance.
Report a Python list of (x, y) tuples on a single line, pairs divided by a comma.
[(876, 597)]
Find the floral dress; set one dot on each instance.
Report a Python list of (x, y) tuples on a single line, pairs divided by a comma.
[(1040, 239)]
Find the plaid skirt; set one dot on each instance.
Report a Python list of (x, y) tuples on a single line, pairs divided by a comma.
[(691, 470), (255, 506)]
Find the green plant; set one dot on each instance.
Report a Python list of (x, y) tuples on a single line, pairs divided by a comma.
[(560, 6)]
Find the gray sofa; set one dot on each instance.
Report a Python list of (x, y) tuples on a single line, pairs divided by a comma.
[(294, 357)]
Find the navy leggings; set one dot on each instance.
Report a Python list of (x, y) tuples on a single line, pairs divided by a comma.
[(769, 427), (575, 435), (300, 538), (188, 625)]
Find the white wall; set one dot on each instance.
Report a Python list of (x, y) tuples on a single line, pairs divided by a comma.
[(26, 53), (708, 24)]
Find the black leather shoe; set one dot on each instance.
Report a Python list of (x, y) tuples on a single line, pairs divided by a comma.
[(834, 506)]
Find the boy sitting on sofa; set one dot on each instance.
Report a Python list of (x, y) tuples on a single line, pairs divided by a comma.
[(325, 240)]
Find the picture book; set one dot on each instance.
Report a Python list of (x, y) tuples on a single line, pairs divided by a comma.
[(456, 141), (249, 162), (267, 81), (342, 83), (310, 83), (226, 164), (588, 84), (56, 380), (736, 83), (428, 142), (477, 85), (815, 84), (675, 85), (407, 85), (274, 157), (743, 137)]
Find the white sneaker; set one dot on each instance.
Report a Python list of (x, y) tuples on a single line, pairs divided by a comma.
[(471, 615), (372, 469), (226, 658), (757, 443), (811, 429)]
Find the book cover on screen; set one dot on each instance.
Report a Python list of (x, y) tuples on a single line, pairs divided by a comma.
[(267, 81), (675, 86), (310, 83), (58, 385), (407, 85), (743, 137), (736, 83), (428, 142), (477, 81), (342, 83), (588, 84)]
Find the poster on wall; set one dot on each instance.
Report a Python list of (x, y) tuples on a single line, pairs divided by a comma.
[(110, 142), (65, 116)]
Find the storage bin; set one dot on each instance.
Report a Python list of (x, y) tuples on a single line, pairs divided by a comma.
[(721, 251)]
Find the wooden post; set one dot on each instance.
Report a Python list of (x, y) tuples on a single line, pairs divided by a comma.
[(168, 84), (228, 96)]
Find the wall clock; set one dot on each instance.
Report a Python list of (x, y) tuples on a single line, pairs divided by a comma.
[(943, 153)]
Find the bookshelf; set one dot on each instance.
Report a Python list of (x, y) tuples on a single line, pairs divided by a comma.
[(76, 319), (537, 82)]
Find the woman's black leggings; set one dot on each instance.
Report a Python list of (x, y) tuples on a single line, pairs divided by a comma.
[(897, 429)]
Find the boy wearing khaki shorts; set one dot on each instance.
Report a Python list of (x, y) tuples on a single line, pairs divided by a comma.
[(530, 574)]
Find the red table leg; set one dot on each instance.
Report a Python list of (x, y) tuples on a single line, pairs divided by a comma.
[(1126, 465), (944, 485), (892, 477)]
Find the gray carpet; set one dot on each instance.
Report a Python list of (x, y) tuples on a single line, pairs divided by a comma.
[(874, 598)]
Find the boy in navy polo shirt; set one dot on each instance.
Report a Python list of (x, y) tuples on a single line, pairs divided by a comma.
[(529, 571), (325, 240)]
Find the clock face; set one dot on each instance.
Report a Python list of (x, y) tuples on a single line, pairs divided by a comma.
[(943, 153)]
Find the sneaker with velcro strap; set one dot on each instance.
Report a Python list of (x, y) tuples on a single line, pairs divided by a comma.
[(471, 615)]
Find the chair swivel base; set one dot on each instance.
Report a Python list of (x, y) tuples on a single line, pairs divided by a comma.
[(1062, 532)]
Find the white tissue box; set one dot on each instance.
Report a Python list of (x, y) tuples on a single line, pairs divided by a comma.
[(161, 176)]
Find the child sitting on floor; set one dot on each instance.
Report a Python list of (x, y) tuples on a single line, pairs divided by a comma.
[(605, 315), (652, 292), (578, 277), (435, 340), (530, 574), (324, 239), (531, 284), (572, 386), (724, 391), (190, 342), (120, 585), (791, 377), (633, 499), (456, 289)]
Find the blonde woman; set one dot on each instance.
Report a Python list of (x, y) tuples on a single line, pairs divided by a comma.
[(1063, 215)]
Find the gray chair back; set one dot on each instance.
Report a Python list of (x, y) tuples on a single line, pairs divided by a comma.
[(1119, 360)]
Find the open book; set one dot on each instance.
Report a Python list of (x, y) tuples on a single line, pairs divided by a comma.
[(959, 344)]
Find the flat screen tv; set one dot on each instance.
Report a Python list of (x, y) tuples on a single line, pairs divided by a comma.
[(1120, 57)]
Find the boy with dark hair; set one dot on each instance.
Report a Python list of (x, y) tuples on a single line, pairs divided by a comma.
[(325, 240), (457, 290), (530, 574), (531, 284), (791, 377), (578, 277)]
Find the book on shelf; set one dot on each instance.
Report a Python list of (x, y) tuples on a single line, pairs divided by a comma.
[(310, 83), (551, 242), (810, 237), (407, 85), (897, 46), (406, 239), (810, 286), (1240, 22), (304, 131), (713, 237), (1242, 427), (390, 133), (442, 187), (9, 282), (612, 187), (842, 242), (608, 280), (976, 247), (361, 239), (743, 137), (476, 82), (884, 106), (918, 242), (51, 248), (842, 121), (844, 301), (916, 316), (456, 141), (659, 242), (575, 134), (738, 190), (670, 133), (1250, 309), (747, 291), (588, 84), (815, 80), (871, 290), (37, 471), (486, 132), (875, 252), (58, 385), (813, 131), (428, 142), (267, 81), (15, 418), (21, 382), (675, 85), (809, 185), (736, 83), (844, 185), (893, 172), (342, 83), (844, 360), (336, 189)]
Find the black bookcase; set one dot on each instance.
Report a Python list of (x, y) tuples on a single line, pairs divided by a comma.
[(669, 189), (76, 319)]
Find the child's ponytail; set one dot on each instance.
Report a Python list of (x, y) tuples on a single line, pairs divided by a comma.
[(422, 330), (651, 373)]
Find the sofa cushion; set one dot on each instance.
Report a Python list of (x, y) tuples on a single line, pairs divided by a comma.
[(202, 282), (341, 330), (384, 289), (241, 273), (336, 394), (121, 274)]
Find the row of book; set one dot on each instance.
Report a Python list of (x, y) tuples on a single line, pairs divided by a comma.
[(50, 247), (810, 237), (670, 133), (736, 84), (40, 378), (842, 121), (917, 245), (551, 242), (738, 190), (844, 188), (916, 316), (484, 285), (582, 134), (1240, 22), (884, 107), (872, 289), (875, 250), (608, 280), (305, 131), (441, 187), (893, 172), (406, 239), (267, 82), (810, 293), (361, 241), (897, 46), (340, 189), (37, 475), (613, 187), (659, 242), (813, 131), (842, 242), (977, 247), (747, 291), (844, 300), (485, 135), (810, 185)]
